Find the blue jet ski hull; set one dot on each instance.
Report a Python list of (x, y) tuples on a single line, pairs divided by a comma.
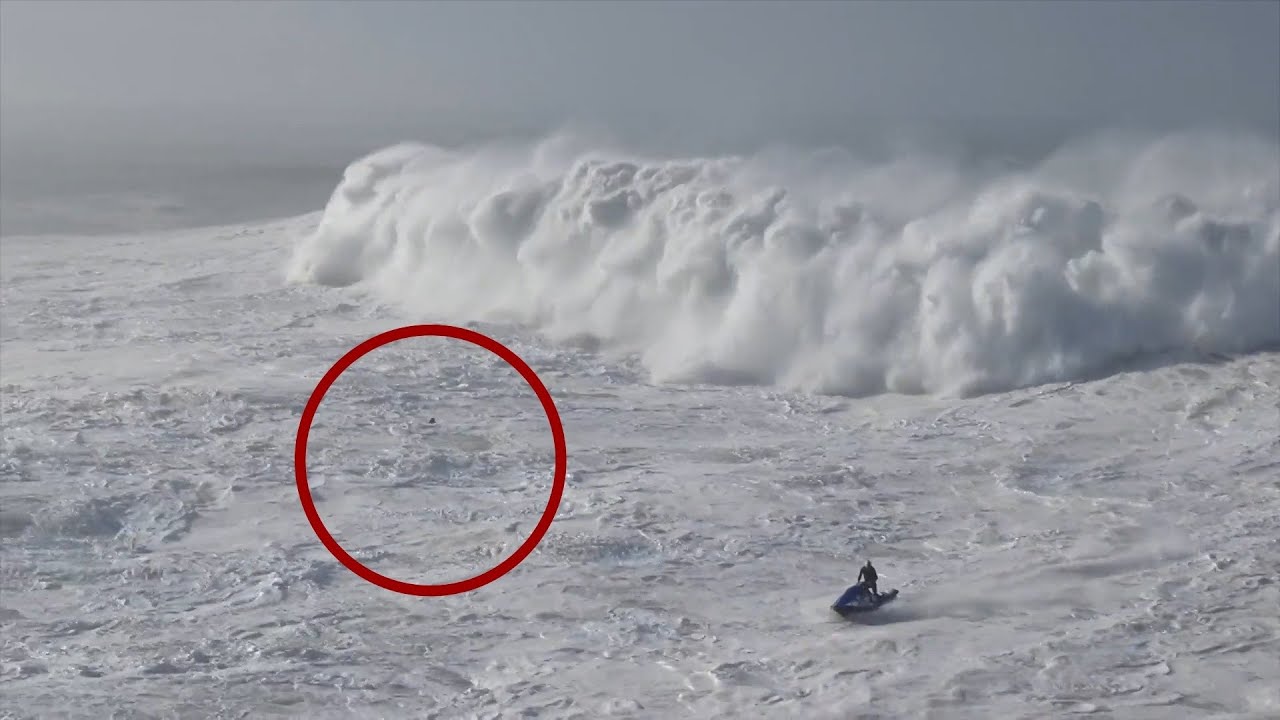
[(846, 607)]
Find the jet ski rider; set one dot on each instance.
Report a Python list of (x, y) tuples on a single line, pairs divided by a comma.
[(869, 573)]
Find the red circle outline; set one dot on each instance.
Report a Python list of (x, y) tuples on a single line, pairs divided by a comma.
[(557, 434)]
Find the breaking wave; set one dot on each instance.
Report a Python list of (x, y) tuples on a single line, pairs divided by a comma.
[(824, 272)]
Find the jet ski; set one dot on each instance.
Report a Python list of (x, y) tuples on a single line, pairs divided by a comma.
[(858, 599)]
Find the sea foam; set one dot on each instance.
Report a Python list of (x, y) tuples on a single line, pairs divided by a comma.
[(822, 271)]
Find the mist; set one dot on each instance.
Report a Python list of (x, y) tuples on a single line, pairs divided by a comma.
[(116, 90)]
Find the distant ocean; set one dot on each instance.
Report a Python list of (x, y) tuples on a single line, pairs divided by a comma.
[(47, 193)]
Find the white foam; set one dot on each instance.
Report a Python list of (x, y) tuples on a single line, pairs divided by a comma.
[(1107, 547), (824, 272)]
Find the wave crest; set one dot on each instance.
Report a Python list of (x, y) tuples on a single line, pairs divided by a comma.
[(823, 272)]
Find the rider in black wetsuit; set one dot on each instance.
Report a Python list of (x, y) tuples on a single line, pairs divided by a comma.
[(869, 573)]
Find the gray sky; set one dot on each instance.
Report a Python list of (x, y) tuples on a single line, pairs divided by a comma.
[(248, 73)]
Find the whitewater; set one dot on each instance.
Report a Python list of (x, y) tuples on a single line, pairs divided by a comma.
[(1043, 398)]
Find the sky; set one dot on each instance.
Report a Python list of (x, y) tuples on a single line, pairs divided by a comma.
[(248, 75)]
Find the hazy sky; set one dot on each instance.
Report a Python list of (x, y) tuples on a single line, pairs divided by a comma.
[(226, 72)]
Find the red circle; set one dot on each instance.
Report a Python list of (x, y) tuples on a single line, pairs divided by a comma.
[(557, 434)]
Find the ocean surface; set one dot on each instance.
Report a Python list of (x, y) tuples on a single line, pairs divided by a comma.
[(1042, 398)]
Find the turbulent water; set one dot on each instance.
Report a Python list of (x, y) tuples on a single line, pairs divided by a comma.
[(1043, 400), (827, 273)]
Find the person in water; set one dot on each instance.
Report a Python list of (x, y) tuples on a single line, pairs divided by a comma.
[(869, 573)]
